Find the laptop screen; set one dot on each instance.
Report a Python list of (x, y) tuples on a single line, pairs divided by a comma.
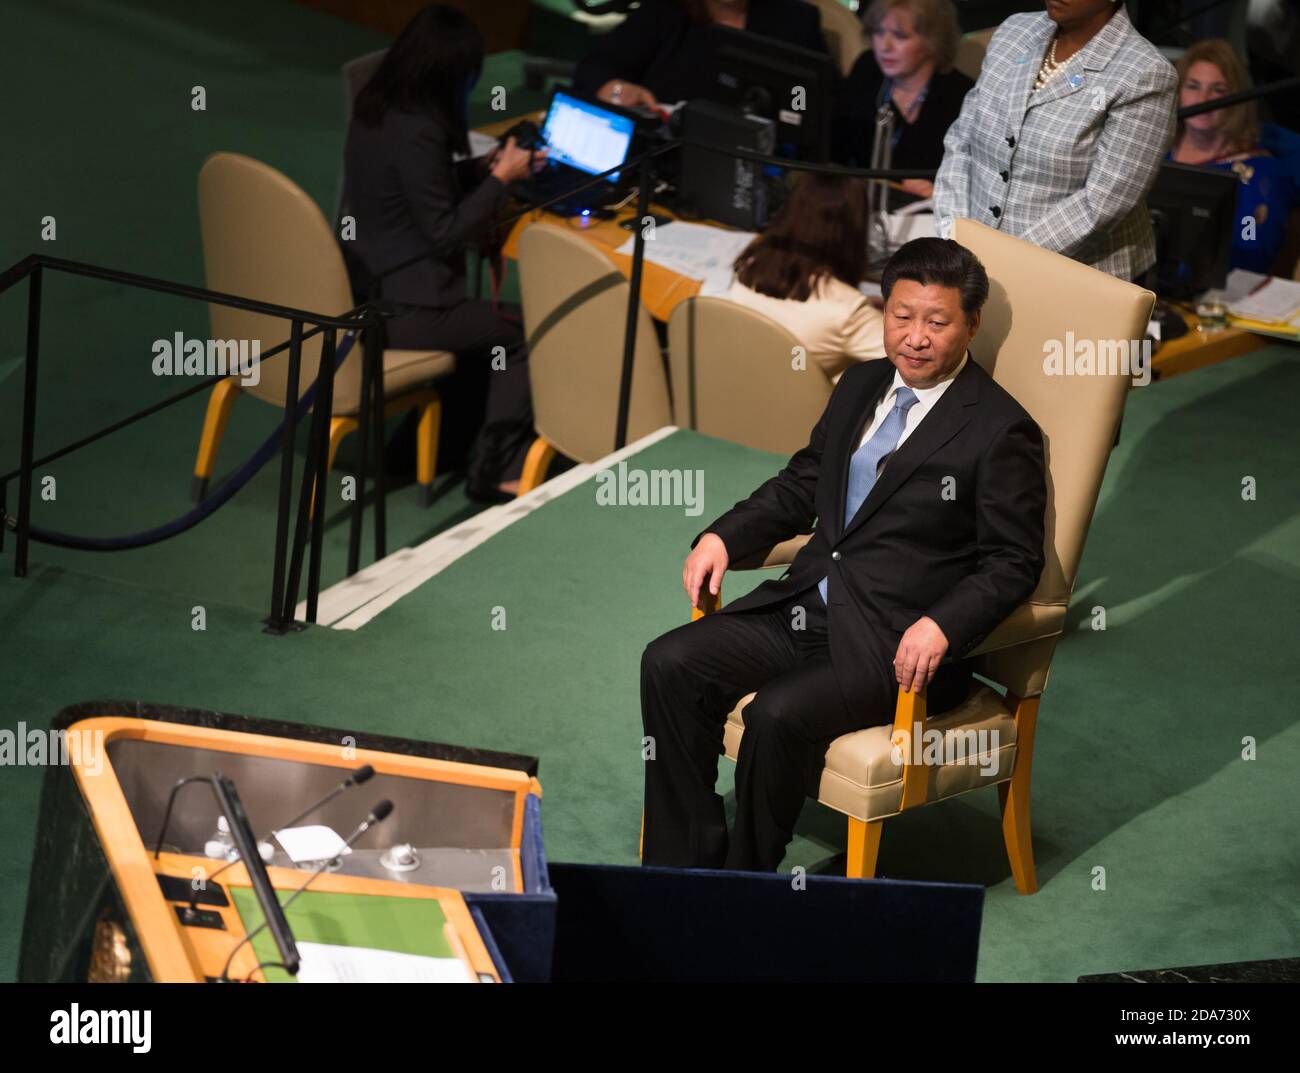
[(586, 136)]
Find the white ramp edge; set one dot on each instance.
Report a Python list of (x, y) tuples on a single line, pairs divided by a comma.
[(354, 601)]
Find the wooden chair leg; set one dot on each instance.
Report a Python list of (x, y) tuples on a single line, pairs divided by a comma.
[(864, 847), (536, 464), (220, 401), (426, 449), (1014, 798), (339, 428)]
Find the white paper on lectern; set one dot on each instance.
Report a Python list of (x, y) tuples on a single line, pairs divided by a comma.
[(325, 963), (315, 842)]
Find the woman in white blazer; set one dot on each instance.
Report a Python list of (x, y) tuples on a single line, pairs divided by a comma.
[(1062, 136), (803, 273)]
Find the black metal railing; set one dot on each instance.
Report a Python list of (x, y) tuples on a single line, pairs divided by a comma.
[(304, 324)]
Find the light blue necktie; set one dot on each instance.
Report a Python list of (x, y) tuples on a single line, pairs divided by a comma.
[(867, 458)]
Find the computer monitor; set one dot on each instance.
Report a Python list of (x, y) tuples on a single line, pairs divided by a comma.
[(718, 185), (794, 87), (1193, 212), (585, 135)]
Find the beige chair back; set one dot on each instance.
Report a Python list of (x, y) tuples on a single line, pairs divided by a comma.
[(845, 38), (734, 376), (575, 315), (356, 73), (970, 52), (264, 238), (1042, 305)]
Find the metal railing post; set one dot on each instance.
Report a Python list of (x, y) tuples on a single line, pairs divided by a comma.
[(363, 435), (633, 305), (375, 360), (29, 422), (276, 623), (325, 402)]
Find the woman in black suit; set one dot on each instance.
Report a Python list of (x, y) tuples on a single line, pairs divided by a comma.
[(411, 198), (913, 45), (664, 52)]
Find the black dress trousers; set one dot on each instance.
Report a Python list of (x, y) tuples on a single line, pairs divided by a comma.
[(491, 405), (692, 677)]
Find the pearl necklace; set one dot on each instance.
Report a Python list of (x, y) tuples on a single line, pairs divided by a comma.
[(1050, 68)]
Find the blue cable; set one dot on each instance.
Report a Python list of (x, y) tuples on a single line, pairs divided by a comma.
[(223, 494)]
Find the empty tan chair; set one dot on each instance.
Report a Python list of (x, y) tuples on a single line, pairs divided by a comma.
[(970, 52), (1079, 415), (734, 377), (263, 238), (845, 39), (356, 73), (575, 316)]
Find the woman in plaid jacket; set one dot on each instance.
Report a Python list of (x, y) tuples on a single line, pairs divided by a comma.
[(1062, 136)]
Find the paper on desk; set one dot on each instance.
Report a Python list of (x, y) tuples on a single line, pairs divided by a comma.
[(925, 204), (1238, 284), (1276, 302), (480, 144), (314, 842), (694, 250), (325, 963), (907, 224)]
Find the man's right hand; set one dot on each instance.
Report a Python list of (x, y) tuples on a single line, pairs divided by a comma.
[(707, 560)]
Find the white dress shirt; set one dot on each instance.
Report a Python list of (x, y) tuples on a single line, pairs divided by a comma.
[(926, 397)]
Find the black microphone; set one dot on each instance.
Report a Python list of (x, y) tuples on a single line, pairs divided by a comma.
[(363, 774), (378, 814)]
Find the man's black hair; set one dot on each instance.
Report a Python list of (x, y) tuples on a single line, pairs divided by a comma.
[(941, 262)]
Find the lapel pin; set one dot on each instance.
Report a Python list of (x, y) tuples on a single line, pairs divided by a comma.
[(1076, 81)]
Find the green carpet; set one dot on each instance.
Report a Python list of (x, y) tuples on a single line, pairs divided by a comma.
[(1138, 766)]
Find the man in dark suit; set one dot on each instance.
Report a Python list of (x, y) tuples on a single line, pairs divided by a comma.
[(926, 480)]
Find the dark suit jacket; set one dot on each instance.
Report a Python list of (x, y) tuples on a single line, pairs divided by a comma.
[(966, 560), (659, 47), (408, 198)]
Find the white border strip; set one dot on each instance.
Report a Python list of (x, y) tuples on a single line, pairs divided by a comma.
[(353, 602)]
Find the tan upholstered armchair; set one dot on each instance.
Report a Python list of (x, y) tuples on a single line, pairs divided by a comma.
[(264, 238), (575, 317), (1038, 301), (732, 377)]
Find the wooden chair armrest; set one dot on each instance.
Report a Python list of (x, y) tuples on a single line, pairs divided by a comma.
[(909, 720), (781, 554)]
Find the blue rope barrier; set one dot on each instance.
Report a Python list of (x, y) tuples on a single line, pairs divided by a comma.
[(219, 498)]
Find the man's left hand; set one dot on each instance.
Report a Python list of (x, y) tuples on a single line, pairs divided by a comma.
[(919, 653)]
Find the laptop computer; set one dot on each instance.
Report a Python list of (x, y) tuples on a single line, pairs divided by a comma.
[(583, 138)]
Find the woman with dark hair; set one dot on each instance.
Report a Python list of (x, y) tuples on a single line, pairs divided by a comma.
[(664, 52), (803, 272), (1228, 140), (909, 68), (411, 198)]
